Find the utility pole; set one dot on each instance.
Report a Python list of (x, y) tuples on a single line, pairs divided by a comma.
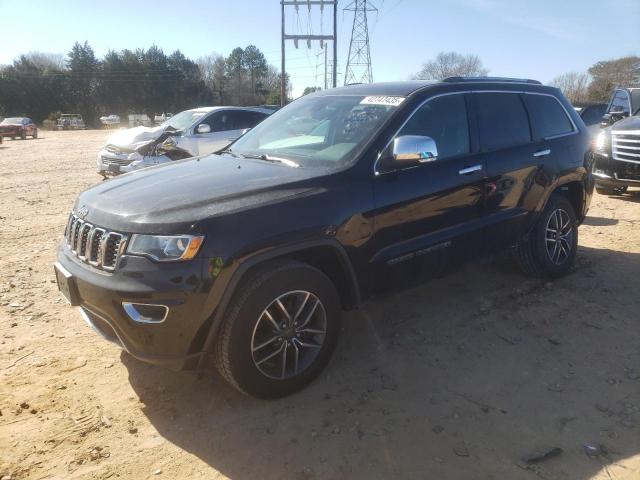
[(325, 67), (284, 36), (359, 60)]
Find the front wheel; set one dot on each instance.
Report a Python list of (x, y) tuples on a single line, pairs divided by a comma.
[(35, 134), (23, 135), (279, 331), (550, 248)]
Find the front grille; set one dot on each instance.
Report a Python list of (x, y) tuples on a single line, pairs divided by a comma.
[(116, 161), (626, 147), (94, 245)]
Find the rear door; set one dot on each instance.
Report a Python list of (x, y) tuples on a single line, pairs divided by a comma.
[(523, 137), (430, 214), (507, 152)]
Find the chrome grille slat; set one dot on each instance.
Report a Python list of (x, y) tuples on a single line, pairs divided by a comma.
[(626, 147), (96, 246)]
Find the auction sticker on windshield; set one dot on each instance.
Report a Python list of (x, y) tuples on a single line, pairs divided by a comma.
[(382, 100)]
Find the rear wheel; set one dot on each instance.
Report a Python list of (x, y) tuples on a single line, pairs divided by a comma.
[(35, 134), (23, 135), (550, 248), (279, 331)]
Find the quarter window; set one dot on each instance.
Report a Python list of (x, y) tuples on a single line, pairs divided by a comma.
[(548, 118), (445, 120), (503, 120)]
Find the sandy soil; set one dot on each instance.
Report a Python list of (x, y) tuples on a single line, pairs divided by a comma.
[(465, 377)]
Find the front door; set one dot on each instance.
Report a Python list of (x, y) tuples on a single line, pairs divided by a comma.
[(429, 215)]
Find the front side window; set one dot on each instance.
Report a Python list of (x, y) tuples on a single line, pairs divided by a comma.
[(503, 120), (324, 131), (548, 118), (445, 120), (219, 121), (620, 103)]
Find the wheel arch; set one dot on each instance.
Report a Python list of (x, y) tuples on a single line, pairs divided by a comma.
[(327, 255)]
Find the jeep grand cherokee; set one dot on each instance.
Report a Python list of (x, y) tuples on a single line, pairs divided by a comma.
[(248, 256)]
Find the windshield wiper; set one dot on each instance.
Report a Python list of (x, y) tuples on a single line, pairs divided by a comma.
[(231, 152), (268, 158)]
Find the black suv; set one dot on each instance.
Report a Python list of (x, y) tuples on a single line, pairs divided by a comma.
[(249, 255), (617, 147)]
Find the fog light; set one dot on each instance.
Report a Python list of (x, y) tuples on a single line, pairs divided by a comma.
[(146, 313)]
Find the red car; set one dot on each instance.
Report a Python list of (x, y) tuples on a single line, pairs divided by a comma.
[(18, 127)]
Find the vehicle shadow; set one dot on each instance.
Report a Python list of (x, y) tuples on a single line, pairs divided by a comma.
[(631, 195), (600, 221), (463, 377)]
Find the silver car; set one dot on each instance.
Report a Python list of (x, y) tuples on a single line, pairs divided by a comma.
[(191, 133)]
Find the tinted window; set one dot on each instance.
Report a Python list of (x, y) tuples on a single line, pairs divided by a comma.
[(445, 120), (245, 119), (620, 102), (548, 118), (219, 121), (593, 115), (503, 120)]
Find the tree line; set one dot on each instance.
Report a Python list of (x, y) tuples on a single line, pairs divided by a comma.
[(593, 86), (149, 81)]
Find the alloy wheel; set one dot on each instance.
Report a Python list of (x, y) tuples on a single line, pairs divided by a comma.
[(559, 236), (289, 335)]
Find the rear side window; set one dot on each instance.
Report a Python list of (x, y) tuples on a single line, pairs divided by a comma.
[(246, 119), (592, 115), (445, 120), (503, 120), (548, 118)]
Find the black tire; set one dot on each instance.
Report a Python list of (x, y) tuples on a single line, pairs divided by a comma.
[(531, 251), (233, 352), (23, 135), (35, 134)]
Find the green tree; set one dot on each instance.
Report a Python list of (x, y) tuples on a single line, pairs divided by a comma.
[(608, 74)]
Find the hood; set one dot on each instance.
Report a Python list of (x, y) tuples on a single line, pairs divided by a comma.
[(630, 123), (133, 138), (171, 198)]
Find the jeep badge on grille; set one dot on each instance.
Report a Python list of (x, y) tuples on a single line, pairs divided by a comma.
[(83, 211)]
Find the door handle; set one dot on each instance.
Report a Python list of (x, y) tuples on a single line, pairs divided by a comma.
[(542, 153), (468, 170)]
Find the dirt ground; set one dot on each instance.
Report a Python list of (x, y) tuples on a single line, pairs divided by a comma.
[(463, 378)]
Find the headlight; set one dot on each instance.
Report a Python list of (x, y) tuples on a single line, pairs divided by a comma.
[(601, 142), (165, 248)]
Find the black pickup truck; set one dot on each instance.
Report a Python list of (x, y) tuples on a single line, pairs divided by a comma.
[(248, 256)]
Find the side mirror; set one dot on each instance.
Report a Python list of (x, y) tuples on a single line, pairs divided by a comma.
[(409, 150), (203, 128)]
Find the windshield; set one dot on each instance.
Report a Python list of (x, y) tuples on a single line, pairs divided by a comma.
[(12, 121), (183, 120), (321, 131)]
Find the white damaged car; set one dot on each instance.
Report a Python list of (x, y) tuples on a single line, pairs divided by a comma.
[(191, 133)]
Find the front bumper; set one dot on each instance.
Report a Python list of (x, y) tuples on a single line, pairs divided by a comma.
[(180, 287), (109, 163), (610, 172)]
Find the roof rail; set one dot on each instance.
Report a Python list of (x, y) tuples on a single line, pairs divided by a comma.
[(490, 79)]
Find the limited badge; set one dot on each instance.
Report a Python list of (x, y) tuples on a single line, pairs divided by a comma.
[(390, 101)]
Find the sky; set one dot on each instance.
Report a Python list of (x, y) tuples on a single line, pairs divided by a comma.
[(537, 39)]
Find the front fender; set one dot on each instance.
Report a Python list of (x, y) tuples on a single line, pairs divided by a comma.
[(228, 278)]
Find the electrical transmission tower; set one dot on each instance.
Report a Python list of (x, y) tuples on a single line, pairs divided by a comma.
[(308, 37), (359, 60)]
